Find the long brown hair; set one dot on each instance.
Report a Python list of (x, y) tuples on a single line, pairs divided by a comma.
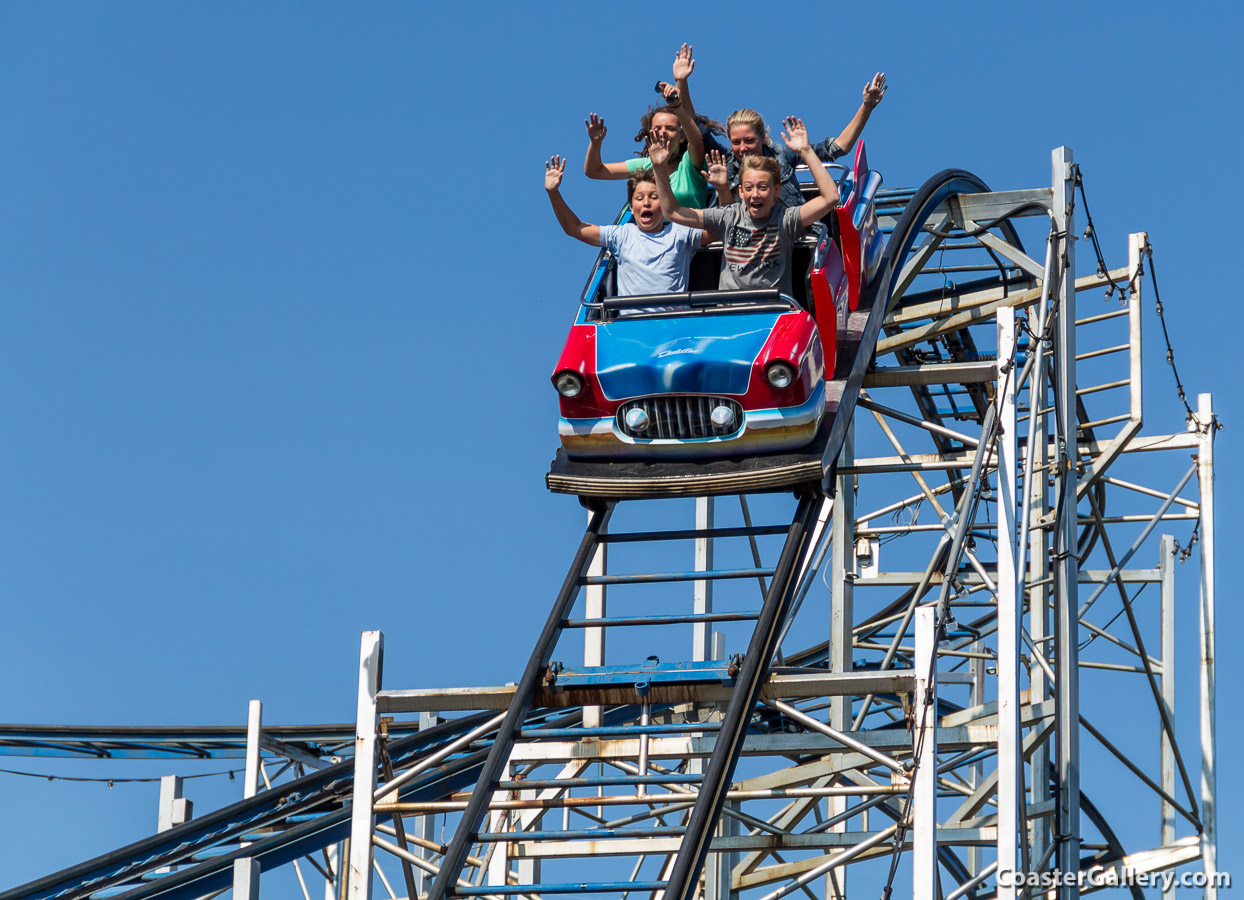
[(712, 126)]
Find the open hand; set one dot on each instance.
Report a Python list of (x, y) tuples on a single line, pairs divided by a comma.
[(796, 135), (684, 65), (553, 171), (717, 174), (874, 90), (595, 128), (659, 148)]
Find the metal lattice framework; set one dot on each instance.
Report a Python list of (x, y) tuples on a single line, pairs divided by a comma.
[(987, 686)]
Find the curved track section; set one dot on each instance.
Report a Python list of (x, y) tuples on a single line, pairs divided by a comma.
[(283, 824)]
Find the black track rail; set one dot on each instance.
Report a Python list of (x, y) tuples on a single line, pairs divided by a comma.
[(685, 872), (524, 694), (325, 793)]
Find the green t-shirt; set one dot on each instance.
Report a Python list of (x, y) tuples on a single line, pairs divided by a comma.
[(690, 188)]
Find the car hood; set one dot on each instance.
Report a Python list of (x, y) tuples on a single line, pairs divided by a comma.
[(639, 356)]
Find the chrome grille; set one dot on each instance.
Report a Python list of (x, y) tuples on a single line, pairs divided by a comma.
[(680, 418)]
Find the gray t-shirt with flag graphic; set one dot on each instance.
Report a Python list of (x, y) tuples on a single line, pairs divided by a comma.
[(757, 253)]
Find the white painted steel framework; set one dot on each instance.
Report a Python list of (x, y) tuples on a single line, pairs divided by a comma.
[(983, 683), (1010, 549)]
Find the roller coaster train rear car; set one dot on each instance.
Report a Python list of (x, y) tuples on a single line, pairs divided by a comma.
[(711, 373)]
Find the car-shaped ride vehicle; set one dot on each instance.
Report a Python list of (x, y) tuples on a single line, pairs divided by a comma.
[(710, 373)]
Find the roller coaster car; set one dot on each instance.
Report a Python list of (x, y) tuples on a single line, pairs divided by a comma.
[(710, 373)]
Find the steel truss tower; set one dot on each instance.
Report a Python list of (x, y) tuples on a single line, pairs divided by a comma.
[(981, 702), (949, 704)]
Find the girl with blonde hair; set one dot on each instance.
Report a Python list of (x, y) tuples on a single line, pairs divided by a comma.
[(746, 131)]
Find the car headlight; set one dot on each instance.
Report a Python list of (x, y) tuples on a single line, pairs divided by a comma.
[(780, 374), (568, 384), (637, 419)]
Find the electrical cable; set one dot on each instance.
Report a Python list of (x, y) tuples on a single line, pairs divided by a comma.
[(1091, 232), (111, 781), (1095, 636), (1170, 353)]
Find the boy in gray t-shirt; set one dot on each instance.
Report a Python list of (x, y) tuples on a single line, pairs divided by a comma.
[(757, 253), (758, 231)]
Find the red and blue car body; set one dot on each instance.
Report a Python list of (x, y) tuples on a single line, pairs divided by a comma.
[(711, 373)]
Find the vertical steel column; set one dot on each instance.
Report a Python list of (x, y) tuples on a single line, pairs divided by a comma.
[(1136, 244), (1206, 426), (976, 697), (842, 578), (841, 622), (1039, 594), (362, 816), (719, 867), (594, 605), (333, 861), (425, 826), (526, 869), (1066, 531), (706, 644), (1166, 572), (246, 878), (1033, 543), (924, 796), (496, 854), (254, 727), (701, 632), (174, 810), (1010, 611)]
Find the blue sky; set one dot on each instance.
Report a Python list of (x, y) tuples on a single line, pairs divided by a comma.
[(281, 292)]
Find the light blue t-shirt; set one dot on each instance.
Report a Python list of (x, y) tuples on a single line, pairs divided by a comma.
[(651, 263)]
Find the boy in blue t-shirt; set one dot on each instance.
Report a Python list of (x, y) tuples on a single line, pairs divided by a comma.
[(653, 255)]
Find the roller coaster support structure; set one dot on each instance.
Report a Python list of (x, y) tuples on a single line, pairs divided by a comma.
[(1206, 427), (1043, 484), (1067, 527), (962, 712)]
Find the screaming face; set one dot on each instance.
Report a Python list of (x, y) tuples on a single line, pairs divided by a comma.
[(646, 207), (757, 191)]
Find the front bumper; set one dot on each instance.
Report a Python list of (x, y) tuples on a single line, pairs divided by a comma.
[(763, 431)]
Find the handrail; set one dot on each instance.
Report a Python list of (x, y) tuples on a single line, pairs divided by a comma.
[(696, 299)]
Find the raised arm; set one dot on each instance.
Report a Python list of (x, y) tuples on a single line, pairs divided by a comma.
[(659, 153), (678, 96), (873, 92), (570, 223), (796, 138), (592, 166)]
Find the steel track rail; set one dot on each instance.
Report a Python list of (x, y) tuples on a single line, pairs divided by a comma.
[(323, 792), (472, 818), (685, 872)]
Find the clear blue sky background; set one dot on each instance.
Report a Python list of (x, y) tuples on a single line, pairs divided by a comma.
[(281, 292)]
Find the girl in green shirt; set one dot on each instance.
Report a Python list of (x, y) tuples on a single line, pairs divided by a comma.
[(675, 123)]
